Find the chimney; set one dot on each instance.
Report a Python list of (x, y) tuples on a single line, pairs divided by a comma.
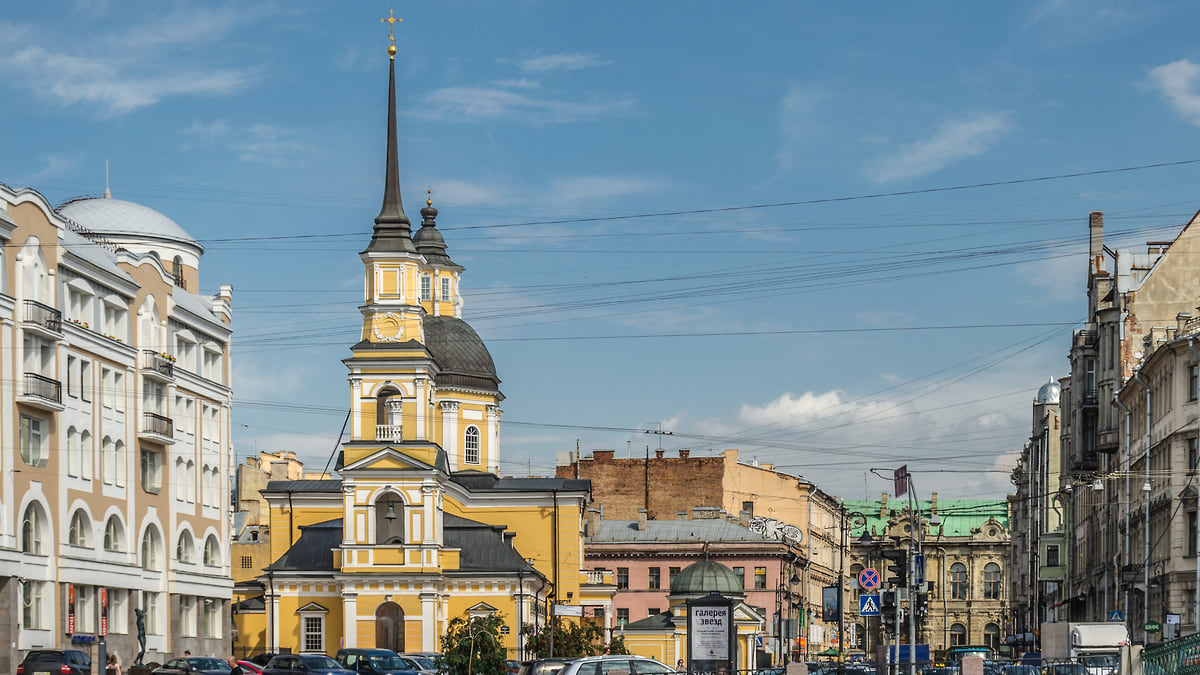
[(658, 454), (744, 517), (603, 455), (932, 503), (883, 507), (681, 515), (594, 516), (684, 453), (1095, 239), (641, 519), (1181, 321)]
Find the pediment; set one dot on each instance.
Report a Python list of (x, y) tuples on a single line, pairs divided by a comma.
[(388, 459), (481, 607), (312, 608)]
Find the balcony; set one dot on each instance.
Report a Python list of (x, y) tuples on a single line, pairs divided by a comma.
[(1090, 397), (42, 392), (388, 433), (158, 366), (598, 578), (42, 318), (157, 428)]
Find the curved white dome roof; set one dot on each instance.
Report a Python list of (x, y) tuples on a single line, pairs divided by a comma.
[(1049, 392), (120, 219)]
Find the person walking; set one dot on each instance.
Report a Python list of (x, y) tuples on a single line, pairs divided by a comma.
[(113, 665)]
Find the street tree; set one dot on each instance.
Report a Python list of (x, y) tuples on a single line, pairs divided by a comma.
[(473, 646), (571, 640)]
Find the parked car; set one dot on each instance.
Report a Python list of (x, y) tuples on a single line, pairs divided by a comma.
[(512, 666), (428, 662), (250, 668), (193, 665), (58, 661), (376, 662), (615, 665), (542, 666), (261, 660), (289, 664)]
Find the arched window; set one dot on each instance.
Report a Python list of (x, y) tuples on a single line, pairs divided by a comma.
[(74, 454), (114, 535), (958, 581), (471, 445), (958, 635), (212, 552), (119, 454), (389, 520), (33, 529), (180, 480), (177, 271), (152, 550), (389, 420), (80, 532), (185, 550), (189, 486), (991, 636), (991, 581), (85, 451)]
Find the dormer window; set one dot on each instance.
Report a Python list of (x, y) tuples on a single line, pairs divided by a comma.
[(389, 520)]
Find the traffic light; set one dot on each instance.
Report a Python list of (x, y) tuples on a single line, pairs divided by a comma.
[(897, 568), (887, 610), (922, 605)]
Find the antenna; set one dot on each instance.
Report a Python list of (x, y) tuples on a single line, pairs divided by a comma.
[(107, 192)]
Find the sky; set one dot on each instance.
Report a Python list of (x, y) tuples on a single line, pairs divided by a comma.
[(839, 238)]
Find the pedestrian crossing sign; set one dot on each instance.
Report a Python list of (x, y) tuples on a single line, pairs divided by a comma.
[(868, 605), (1115, 615)]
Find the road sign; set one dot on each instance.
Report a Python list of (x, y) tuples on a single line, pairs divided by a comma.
[(868, 578), (900, 480), (1116, 615), (918, 569), (1152, 626), (758, 640), (868, 605)]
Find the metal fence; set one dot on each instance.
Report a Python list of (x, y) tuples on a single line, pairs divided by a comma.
[(1180, 656)]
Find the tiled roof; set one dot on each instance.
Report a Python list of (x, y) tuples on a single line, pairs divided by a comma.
[(959, 516), (478, 481), (285, 486), (460, 353), (313, 550)]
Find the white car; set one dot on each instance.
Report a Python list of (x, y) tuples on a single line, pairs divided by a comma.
[(615, 665)]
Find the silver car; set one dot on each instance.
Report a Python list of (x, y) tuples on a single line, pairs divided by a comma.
[(615, 665)]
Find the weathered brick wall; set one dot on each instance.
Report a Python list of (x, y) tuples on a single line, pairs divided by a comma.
[(675, 484)]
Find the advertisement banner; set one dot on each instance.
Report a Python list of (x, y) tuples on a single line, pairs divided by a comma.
[(103, 611), (70, 608), (709, 637), (829, 603)]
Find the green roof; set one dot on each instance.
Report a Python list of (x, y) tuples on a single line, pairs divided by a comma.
[(959, 516)]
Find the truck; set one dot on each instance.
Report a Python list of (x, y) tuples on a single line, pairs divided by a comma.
[(1096, 645)]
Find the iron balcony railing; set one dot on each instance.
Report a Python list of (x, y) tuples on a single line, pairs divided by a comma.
[(43, 315), (153, 423), (43, 387), (163, 365)]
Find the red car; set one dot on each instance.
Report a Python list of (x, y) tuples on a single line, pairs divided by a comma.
[(250, 668)]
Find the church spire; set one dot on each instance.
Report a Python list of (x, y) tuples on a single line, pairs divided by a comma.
[(392, 231)]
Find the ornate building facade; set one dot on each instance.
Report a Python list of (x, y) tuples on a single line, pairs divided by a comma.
[(115, 406)]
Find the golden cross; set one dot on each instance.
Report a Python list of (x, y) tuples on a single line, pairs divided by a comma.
[(391, 21)]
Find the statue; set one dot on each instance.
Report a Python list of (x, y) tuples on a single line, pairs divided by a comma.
[(141, 634)]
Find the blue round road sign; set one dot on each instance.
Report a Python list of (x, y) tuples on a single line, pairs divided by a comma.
[(868, 579)]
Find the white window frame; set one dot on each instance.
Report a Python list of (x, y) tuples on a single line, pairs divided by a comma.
[(114, 535), (445, 289), (79, 531), (210, 611), (312, 635), (33, 441), (33, 530), (85, 609), (187, 615), (151, 550), (118, 610), (426, 287), (33, 605), (469, 446), (151, 470)]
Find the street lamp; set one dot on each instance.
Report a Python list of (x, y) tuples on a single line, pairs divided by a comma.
[(853, 519)]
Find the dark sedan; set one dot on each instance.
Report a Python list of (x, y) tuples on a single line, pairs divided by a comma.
[(57, 661), (193, 665), (315, 664)]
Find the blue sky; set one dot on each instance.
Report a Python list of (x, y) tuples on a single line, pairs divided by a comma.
[(828, 336)]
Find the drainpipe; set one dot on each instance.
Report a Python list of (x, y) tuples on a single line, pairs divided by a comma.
[(1128, 498), (1196, 606), (1146, 499)]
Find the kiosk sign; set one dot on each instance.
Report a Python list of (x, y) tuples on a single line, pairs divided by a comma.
[(710, 633)]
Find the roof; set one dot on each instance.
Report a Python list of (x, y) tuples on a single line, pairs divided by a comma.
[(660, 621), (313, 550), (461, 356), (478, 481), (483, 547), (959, 516), (707, 576), (107, 217), (665, 531), (255, 604), (330, 485)]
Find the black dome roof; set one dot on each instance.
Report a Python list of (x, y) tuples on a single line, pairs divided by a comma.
[(460, 353)]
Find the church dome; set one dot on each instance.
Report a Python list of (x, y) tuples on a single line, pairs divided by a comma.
[(706, 576), (1049, 392), (461, 356), (119, 220)]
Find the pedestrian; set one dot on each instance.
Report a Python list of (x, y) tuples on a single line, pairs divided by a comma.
[(113, 665), (679, 665), (187, 653), (234, 668)]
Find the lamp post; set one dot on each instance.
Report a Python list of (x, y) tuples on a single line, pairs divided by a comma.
[(849, 519)]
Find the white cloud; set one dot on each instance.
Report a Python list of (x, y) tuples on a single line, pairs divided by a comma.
[(259, 143), (543, 63), (206, 130), (118, 74), (1177, 82), (797, 120), (472, 104), (953, 141), (584, 188), (56, 165)]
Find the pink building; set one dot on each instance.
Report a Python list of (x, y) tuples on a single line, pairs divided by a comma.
[(646, 555)]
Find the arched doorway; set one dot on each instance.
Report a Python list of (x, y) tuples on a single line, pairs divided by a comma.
[(389, 627)]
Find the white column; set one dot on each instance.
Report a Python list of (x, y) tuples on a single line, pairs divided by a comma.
[(348, 535), (356, 408), (422, 394), (493, 439), (429, 635), (427, 502), (350, 618), (450, 432), (274, 627)]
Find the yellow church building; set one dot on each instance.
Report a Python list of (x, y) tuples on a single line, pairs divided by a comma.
[(420, 528)]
